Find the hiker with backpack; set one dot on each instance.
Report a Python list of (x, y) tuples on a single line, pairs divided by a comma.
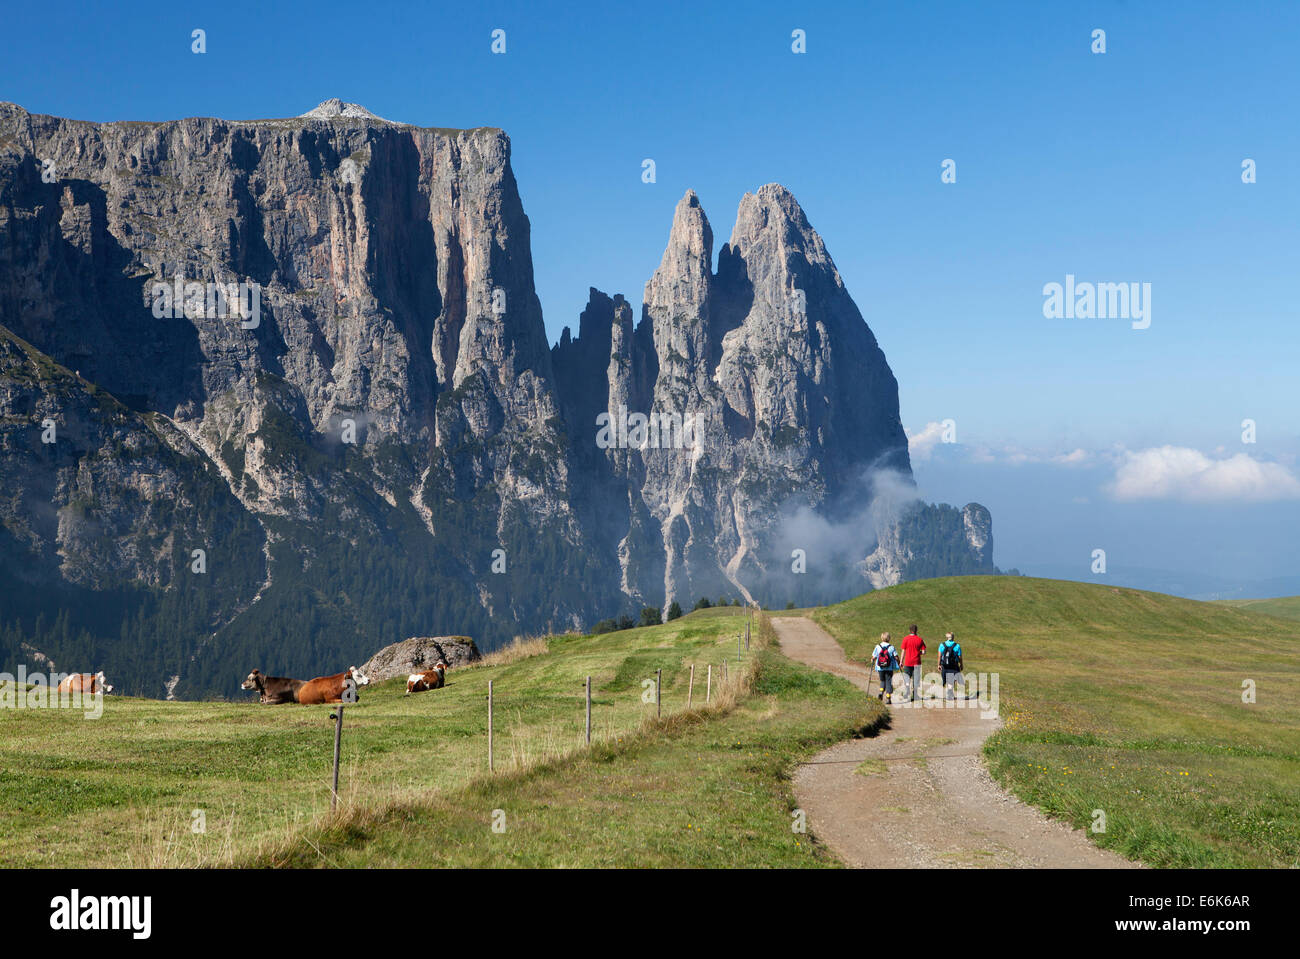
[(886, 661), (950, 665), (913, 650)]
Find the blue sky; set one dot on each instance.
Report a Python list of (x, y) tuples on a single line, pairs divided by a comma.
[(1122, 166)]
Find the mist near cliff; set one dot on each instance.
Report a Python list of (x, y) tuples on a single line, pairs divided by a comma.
[(834, 542)]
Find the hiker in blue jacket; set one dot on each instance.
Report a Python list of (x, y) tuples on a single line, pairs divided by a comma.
[(885, 659), (950, 664)]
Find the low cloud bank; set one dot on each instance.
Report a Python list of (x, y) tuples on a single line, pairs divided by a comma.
[(1180, 473)]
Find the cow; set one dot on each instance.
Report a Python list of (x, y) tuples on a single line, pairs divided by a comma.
[(273, 689), (329, 689), (434, 678), (86, 683)]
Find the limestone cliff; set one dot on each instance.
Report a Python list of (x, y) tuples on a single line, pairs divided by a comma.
[(304, 403)]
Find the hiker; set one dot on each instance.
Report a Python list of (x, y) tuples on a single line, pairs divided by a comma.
[(950, 665), (913, 650), (886, 660)]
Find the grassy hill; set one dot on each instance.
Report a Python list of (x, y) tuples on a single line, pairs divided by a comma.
[(1287, 607), (1126, 702), (122, 789), (1112, 699)]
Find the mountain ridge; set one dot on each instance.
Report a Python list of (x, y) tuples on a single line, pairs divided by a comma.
[(391, 444)]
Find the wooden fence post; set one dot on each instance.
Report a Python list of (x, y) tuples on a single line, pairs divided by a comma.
[(659, 703), (338, 737), (588, 710), (489, 725), (690, 689)]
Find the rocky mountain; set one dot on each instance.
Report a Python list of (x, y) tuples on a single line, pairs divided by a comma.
[(278, 392), (333, 108)]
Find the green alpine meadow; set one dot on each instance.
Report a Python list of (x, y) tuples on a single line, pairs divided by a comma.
[(1110, 699)]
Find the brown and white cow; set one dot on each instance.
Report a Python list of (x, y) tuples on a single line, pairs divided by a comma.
[(273, 689), (85, 683), (329, 689), (434, 678)]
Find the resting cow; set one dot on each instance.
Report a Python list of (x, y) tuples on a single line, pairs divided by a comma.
[(86, 683), (434, 678), (273, 689), (329, 689)]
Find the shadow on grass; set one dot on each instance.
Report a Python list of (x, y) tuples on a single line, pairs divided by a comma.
[(875, 727)]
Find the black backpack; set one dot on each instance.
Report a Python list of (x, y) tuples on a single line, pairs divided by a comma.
[(884, 658), (948, 657)]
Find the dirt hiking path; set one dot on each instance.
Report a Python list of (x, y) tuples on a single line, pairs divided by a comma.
[(917, 793)]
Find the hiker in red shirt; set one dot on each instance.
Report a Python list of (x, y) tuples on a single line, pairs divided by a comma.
[(913, 648)]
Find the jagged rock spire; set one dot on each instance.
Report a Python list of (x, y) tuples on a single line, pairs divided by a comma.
[(677, 296)]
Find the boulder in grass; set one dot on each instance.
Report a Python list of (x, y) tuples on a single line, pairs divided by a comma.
[(419, 653)]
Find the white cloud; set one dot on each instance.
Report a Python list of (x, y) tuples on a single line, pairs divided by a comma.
[(1022, 456), (1179, 473), (1076, 458), (921, 444)]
